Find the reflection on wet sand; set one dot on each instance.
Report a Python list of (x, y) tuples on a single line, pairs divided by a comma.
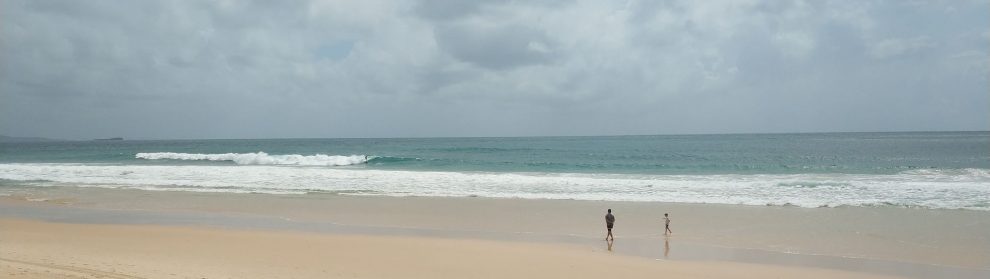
[(666, 247)]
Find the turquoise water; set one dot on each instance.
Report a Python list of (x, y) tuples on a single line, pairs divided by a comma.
[(861, 153), (937, 169)]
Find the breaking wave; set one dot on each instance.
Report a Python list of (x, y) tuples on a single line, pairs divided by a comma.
[(946, 189), (262, 158)]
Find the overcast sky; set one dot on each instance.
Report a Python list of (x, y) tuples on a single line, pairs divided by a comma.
[(277, 69)]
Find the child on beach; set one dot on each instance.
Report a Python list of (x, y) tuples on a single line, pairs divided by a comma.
[(666, 220)]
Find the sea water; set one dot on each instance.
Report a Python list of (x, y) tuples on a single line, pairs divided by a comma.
[(948, 170)]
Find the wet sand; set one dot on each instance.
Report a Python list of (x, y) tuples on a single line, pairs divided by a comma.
[(869, 242)]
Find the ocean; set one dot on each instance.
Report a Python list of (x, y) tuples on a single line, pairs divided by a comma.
[(939, 170)]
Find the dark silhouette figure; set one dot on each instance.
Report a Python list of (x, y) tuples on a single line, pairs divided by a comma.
[(609, 222), (666, 221)]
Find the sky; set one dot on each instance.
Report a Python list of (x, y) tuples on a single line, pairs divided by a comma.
[(314, 69)]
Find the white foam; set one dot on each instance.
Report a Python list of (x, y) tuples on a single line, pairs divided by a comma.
[(261, 158), (964, 189)]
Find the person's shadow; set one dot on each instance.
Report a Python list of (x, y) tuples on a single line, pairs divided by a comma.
[(666, 247)]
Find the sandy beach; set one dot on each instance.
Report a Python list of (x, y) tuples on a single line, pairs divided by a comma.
[(51, 250), (91, 233)]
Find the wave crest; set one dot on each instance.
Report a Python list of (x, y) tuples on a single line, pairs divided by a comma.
[(261, 158)]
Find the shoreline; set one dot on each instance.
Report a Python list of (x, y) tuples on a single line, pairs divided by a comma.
[(261, 173), (703, 232)]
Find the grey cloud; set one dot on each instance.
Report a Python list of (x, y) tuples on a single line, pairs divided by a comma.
[(497, 48), (889, 48), (164, 69), (451, 9)]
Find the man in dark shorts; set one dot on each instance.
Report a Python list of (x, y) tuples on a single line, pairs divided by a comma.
[(609, 222), (666, 223)]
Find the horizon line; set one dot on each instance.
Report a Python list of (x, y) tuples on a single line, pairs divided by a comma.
[(531, 136)]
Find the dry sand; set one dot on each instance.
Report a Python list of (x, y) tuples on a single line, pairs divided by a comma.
[(33, 249)]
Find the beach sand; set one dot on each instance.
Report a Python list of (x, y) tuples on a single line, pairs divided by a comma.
[(115, 233), (33, 249)]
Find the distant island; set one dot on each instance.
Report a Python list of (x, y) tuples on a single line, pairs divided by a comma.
[(111, 139)]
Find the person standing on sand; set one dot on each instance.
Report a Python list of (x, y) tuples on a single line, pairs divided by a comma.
[(666, 221), (609, 221)]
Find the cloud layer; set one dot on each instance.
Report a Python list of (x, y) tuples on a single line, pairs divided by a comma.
[(250, 69)]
